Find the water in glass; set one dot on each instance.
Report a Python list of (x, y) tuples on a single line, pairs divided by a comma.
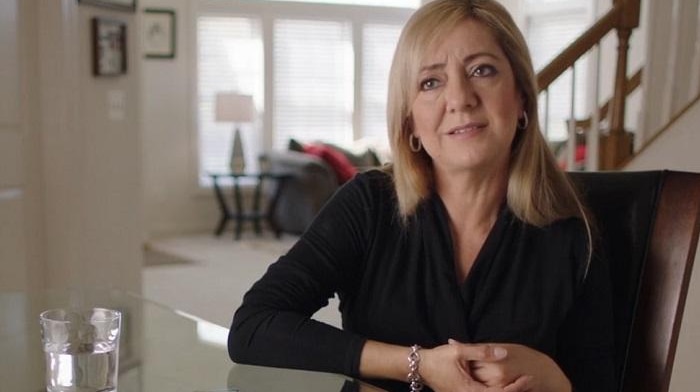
[(81, 350), (88, 371)]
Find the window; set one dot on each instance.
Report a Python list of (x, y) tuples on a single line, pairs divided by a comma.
[(378, 44), (230, 58), (313, 81), (316, 73)]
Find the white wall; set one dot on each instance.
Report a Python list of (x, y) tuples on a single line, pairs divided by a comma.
[(22, 239), (13, 135), (676, 149), (77, 221), (91, 158), (673, 64), (173, 204)]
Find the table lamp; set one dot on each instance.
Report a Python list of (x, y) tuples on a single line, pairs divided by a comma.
[(237, 109)]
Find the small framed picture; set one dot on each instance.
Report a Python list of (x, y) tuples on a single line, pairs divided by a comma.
[(159, 33), (123, 5), (108, 47)]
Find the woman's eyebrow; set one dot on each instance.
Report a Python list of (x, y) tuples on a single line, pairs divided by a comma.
[(465, 60), (472, 57), (432, 67)]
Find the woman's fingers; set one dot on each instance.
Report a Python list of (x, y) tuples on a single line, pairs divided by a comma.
[(480, 352), (522, 384), (485, 363)]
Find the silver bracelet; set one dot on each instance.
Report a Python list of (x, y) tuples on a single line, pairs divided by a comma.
[(414, 377)]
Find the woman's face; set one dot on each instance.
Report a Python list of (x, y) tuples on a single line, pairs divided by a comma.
[(467, 106)]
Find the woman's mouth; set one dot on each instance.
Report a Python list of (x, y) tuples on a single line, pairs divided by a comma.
[(466, 128)]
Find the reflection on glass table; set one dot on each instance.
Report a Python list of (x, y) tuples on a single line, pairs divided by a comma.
[(161, 349)]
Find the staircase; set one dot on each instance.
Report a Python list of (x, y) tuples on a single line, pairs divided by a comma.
[(670, 82)]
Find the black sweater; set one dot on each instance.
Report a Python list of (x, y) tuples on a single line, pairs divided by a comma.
[(397, 284)]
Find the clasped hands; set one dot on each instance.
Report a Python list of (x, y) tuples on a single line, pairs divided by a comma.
[(460, 367)]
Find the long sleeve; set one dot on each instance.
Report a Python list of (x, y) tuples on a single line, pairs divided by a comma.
[(273, 327)]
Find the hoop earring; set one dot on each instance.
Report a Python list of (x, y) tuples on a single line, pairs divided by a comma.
[(524, 121), (414, 143)]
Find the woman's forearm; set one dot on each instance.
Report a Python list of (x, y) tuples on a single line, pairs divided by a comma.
[(382, 360)]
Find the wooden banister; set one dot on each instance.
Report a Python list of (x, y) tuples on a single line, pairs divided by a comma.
[(631, 84), (616, 144), (579, 47)]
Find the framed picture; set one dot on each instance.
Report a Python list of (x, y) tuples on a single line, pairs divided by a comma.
[(159, 33), (108, 47), (124, 5)]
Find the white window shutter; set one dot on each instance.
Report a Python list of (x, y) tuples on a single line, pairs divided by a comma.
[(313, 81), (229, 58), (378, 43)]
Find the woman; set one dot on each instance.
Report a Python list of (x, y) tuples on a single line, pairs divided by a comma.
[(467, 264)]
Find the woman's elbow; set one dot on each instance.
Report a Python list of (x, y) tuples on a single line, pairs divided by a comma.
[(238, 341), (237, 346)]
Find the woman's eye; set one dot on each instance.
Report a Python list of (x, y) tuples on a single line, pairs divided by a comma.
[(428, 84), (483, 70)]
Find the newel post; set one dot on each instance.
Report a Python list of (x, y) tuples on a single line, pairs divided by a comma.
[(617, 144)]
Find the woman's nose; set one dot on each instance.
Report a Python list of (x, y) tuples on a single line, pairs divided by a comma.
[(460, 94)]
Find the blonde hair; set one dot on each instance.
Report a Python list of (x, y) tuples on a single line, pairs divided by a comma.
[(538, 192)]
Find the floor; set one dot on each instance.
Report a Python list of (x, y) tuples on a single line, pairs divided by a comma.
[(207, 276)]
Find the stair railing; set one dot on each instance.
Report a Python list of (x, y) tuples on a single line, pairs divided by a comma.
[(605, 149), (631, 85)]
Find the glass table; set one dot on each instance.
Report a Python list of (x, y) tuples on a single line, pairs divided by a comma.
[(161, 349)]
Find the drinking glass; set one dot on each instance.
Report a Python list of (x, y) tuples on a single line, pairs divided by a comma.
[(81, 348)]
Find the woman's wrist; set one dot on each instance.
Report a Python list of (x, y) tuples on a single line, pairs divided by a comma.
[(556, 379), (414, 378), (382, 360)]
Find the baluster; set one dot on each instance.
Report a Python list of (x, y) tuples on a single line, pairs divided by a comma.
[(593, 132), (546, 114), (571, 142), (617, 145)]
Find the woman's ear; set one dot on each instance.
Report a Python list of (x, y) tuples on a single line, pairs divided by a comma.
[(523, 102)]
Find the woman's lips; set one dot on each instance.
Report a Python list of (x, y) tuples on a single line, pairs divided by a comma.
[(466, 128)]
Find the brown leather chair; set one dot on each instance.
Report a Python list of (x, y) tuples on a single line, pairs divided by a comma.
[(648, 224)]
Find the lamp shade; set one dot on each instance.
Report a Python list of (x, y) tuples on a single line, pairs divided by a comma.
[(232, 107)]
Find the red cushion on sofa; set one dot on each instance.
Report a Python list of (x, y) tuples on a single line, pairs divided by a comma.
[(343, 168)]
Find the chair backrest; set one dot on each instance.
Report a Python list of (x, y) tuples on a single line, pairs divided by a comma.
[(648, 224)]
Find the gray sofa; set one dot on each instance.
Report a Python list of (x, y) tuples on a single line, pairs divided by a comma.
[(312, 184), (303, 195)]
